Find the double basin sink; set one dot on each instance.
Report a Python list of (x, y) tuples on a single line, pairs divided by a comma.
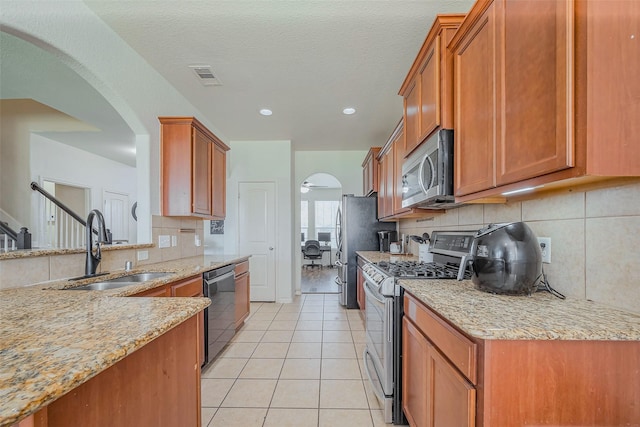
[(120, 282)]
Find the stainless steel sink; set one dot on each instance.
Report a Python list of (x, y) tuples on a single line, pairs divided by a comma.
[(119, 282), (138, 277)]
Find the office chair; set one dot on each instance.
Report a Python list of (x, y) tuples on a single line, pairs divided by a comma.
[(312, 251)]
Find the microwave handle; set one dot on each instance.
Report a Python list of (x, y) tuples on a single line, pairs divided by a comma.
[(420, 174)]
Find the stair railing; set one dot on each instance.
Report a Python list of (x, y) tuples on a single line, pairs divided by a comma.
[(9, 237), (60, 226)]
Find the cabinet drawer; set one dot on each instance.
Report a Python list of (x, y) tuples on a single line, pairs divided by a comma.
[(187, 288), (460, 350), (160, 291), (242, 268)]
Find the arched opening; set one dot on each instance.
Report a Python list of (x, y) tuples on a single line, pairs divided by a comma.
[(320, 195), (59, 129)]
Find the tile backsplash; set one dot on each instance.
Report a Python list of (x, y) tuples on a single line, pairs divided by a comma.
[(594, 254), (27, 271)]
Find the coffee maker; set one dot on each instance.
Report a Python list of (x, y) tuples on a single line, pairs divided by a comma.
[(386, 237)]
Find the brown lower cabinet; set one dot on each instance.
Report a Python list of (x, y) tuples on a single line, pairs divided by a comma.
[(243, 293), (157, 385), (360, 297), (190, 287), (453, 380)]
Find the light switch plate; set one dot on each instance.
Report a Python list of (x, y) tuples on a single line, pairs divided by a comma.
[(174, 240), (164, 241), (143, 255)]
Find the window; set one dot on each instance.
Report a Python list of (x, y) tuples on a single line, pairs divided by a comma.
[(304, 220), (325, 218)]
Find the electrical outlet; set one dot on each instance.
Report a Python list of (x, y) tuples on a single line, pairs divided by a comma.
[(174, 240), (197, 240), (545, 247), (164, 241), (143, 255)]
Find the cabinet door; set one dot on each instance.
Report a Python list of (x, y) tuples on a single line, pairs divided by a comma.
[(475, 112), (453, 398), (415, 376), (412, 116), (430, 88), (201, 181), (219, 182), (534, 89), (242, 299), (398, 159), (360, 288), (389, 182)]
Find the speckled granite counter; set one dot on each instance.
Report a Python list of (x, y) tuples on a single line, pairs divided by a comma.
[(537, 317), (53, 341), (27, 253), (374, 256)]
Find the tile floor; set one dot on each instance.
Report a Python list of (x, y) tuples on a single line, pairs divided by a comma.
[(292, 364)]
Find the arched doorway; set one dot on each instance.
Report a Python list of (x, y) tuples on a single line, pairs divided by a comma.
[(320, 195)]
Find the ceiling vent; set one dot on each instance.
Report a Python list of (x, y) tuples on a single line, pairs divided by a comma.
[(205, 75)]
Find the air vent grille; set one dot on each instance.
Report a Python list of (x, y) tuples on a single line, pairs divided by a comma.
[(205, 75)]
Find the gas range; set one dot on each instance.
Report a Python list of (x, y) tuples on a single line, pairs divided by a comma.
[(450, 251)]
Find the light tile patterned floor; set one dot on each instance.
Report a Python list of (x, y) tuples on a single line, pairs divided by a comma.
[(295, 364)]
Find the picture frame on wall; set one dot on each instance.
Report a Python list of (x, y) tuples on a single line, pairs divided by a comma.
[(216, 226)]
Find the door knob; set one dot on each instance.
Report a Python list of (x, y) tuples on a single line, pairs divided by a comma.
[(270, 248)]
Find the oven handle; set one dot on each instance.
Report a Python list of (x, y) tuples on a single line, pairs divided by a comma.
[(377, 390), (388, 313), (369, 292)]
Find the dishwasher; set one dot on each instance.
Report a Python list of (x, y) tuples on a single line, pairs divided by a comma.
[(219, 326)]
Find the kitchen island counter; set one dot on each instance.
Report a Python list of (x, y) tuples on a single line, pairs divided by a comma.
[(53, 341)]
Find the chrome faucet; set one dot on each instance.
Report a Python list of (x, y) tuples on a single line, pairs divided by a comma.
[(93, 259)]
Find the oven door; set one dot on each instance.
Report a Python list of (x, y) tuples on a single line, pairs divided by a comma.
[(379, 331)]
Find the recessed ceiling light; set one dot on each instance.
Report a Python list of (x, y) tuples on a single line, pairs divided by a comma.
[(348, 111), (266, 112)]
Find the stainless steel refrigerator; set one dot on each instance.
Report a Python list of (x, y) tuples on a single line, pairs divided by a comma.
[(357, 229)]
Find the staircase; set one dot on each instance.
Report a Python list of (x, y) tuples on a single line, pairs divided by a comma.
[(59, 226)]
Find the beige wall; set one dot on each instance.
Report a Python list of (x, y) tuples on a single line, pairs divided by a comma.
[(594, 251)]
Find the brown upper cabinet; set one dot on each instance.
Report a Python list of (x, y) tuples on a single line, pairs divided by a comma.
[(370, 168), (428, 88), (542, 94), (193, 169)]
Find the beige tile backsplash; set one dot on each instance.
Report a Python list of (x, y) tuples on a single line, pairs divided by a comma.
[(594, 252), (27, 271)]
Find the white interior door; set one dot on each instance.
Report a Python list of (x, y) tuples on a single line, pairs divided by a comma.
[(116, 214), (257, 231)]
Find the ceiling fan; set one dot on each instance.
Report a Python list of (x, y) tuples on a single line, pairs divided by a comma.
[(306, 186)]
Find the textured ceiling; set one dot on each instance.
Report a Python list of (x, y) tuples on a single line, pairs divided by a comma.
[(305, 60)]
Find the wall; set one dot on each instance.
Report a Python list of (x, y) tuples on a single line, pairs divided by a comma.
[(594, 251), (85, 170), (262, 161), (74, 33)]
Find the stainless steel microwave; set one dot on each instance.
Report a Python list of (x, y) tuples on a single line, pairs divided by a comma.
[(427, 174)]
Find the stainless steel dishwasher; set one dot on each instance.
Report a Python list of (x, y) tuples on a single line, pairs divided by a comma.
[(219, 326)]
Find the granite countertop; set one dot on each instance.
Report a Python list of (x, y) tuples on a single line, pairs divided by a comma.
[(540, 316), (53, 341), (375, 256), (35, 252)]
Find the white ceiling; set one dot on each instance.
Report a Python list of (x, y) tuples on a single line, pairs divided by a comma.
[(305, 60)]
